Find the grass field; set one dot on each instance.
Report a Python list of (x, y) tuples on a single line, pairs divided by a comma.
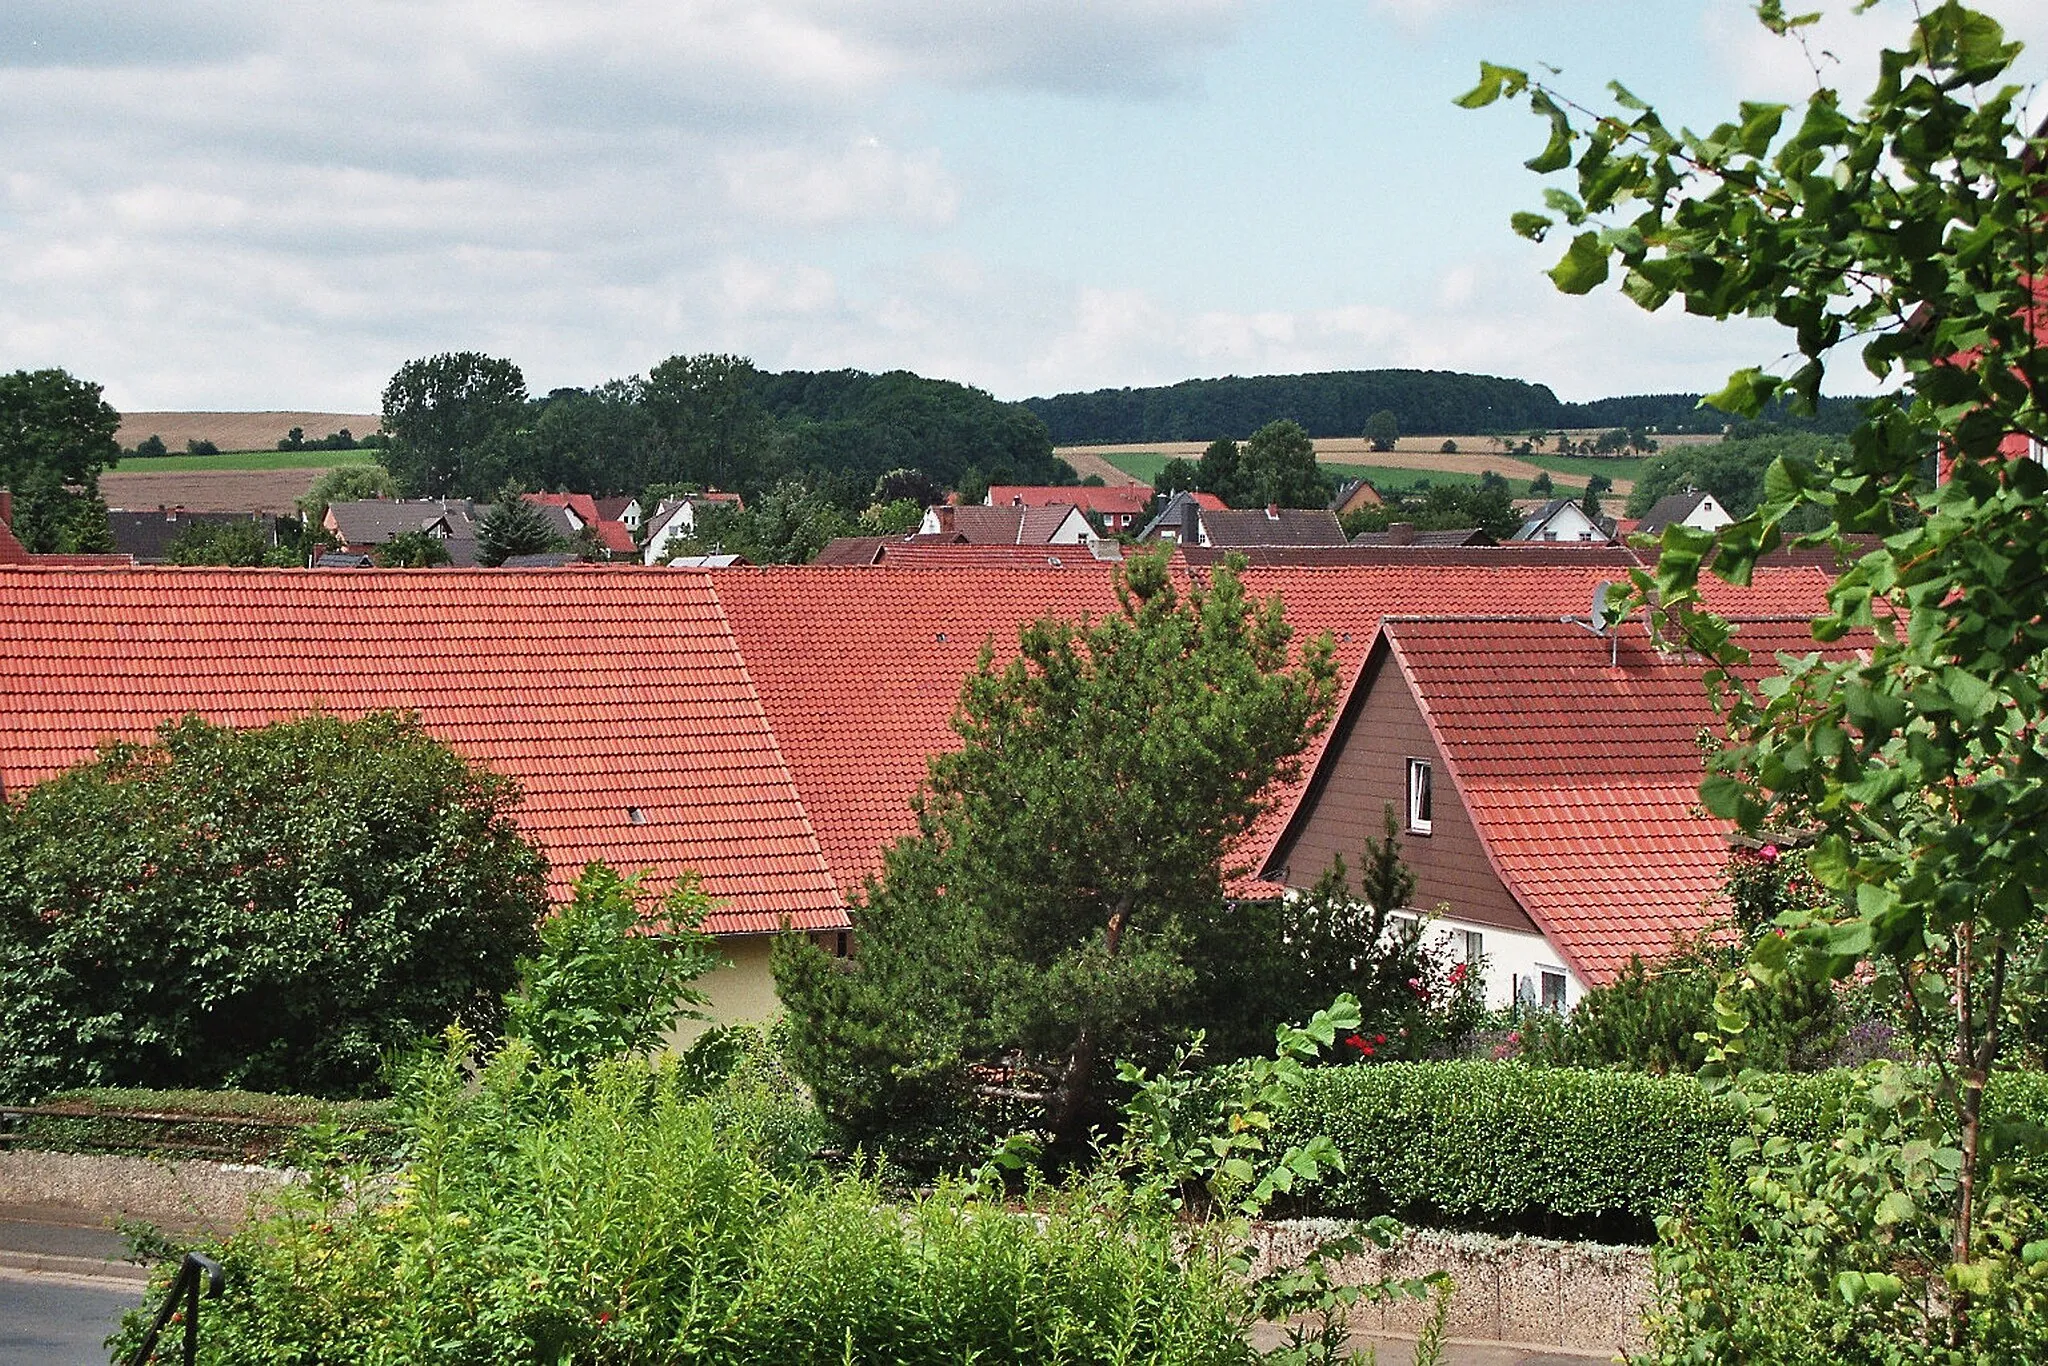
[(243, 460), (1145, 466), (1620, 468)]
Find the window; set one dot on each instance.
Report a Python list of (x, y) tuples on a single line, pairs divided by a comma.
[(1553, 990), (1475, 946), (839, 947), (1418, 796)]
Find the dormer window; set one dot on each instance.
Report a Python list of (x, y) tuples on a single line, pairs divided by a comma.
[(1418, 796)]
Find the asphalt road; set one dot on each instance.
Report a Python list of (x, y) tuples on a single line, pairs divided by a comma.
[(48, 1320)]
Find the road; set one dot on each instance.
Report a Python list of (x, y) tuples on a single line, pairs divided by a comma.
[(50, 1320)]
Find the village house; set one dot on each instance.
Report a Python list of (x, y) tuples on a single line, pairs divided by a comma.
[(1120, 509), (1562, 519), (1695, 508), (1017, 524), (675, 519), (1227, 528), (1544, 777), (765, 727)]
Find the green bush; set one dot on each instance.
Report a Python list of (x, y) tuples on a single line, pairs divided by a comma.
[(1558, 1151), (617, 1216), (276, 908)]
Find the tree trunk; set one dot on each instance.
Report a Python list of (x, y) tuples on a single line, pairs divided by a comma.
[(1974, 1058), (1070, 1109)]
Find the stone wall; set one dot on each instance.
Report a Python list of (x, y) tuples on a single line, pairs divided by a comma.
[(188, 1196), (1586, 1296)]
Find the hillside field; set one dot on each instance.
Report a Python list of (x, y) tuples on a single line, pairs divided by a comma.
[(243, 460), (238, 431), (1351, 458)]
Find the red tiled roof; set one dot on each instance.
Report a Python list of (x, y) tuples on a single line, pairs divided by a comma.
[(582, 504), (616, 537), (1133, 500), (601, 691), (958, 555), (1003, 525), (1582, 777)]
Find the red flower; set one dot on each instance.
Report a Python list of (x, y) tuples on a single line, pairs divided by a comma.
[(1379, 1038), (1355, 1042), (1365, 1049), (1768, 854), (1457, 974)]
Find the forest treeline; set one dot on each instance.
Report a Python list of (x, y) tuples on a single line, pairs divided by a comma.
[(1340, 403)]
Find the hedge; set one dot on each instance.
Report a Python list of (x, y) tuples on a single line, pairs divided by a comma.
[(1558, 1151), (235, 1125)]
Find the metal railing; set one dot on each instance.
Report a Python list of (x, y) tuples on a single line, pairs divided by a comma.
[(186, 1290)]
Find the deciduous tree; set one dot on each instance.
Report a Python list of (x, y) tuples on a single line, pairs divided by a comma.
[(439, 410), (56, 435)]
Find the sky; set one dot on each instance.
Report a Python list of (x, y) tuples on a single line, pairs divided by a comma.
[(272, 204)]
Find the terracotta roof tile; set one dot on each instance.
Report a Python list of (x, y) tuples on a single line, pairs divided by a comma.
[(1582, 776), (602, 692)]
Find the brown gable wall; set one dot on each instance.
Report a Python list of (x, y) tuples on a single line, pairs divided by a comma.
[(1366, 768)]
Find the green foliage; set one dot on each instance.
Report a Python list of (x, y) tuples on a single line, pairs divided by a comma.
[(891, 519), (56, 435), (410, 550), (611, 978), (1842, 1251), (1541, 485), (789, 524), (1382, 430), (625, 1216), (1488, 506), (1415, 1000), (1733, 471), (1064, 893), (513, 526), (150, 446), (1221, 472), (272, 908), (1554, 1150), (236, 1126), (197, 445), (345, 484), (1177, 476), (1905, 223), (243, 543), (1279, 464), (438, 410)]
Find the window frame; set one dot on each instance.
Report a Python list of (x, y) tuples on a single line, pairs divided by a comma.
[(1421, 814), (1544, 977)]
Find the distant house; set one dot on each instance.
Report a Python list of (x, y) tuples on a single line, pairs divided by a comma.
[(582, 513), (627, 512), (1562, 519), (1693, 507), (1050, 524), (675, 519), (1354, 494), (1545, 779), (360, 526), (1172, 520), (1404, 533), (13, 552), (148, 536), (1122, 509), (1234, 528)]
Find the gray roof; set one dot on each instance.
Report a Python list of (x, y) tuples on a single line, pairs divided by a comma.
[(1171, 515), (1529, 529), (373, 521), (1272, 526), (148, 535), (1672, 507), (1397, 534)]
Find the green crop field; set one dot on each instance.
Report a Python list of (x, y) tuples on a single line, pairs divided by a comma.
[(1146, 465), (1583, 467), (243, 460)]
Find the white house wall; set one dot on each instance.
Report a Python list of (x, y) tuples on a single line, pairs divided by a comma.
[(1511, 957)]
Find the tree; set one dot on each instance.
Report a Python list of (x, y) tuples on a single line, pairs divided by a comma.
[(891, 519), (712, 425), (241, 543), (1279, 466), (914, 485), (293, 440), (1222, 473), (344, 484), (1540, 487), (513, 527), (1382, 430), (1733, 470), (1177, 476), (440, 410), (56, 435), (273, 908), (1911, 226), (411, 550), (1063, 897), (199, 445), (151, 446)]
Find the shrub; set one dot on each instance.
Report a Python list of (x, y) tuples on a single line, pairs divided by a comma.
[(617, 1217), (273, 909), (1551, 1150), (236, 1125)]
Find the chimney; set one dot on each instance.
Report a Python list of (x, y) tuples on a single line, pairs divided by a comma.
[(1191, 522), (6, 507), (1400, 533)]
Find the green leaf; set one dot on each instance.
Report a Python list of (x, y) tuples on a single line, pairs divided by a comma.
[(1584, 266), (1494, 81), (1531, 225), (1745, 393)]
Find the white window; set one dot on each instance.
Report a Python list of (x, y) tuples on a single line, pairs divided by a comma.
[(1418, 796), (1475, 946), (1553, 989)]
